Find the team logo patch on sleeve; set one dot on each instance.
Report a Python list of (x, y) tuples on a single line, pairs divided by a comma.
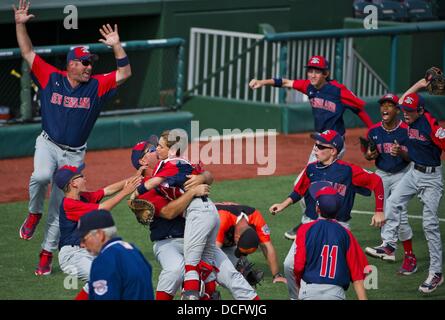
[(265, 229), (440, 133), (100, 287)]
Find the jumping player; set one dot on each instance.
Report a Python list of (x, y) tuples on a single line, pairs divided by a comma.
[(329, 100), (202, 219), (391, 159), (77, 202), (71, 101), (242, 229), (167, 234), (346, 178), (424, 178), (328, 257)]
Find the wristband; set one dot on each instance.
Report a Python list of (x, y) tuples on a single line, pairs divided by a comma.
[(278, 82), (142, 189), (123, 62)]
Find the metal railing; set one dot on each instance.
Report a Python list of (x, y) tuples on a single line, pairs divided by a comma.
[(159, 90)]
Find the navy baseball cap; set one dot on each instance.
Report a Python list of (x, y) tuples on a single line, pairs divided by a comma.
[(328, 201), (318, 62), (316, 186), (412, 102), (248, 242), (81, 54), (64, 174), (330, 137), (141, 148), (389, 97), (96, 219)]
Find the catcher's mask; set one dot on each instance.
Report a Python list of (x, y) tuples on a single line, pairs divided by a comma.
[(247, 243)]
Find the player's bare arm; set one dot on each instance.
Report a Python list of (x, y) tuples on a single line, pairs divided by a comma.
[(278, 207), (359, 289), (256, 84), (118, 186), (129, 186), (419, 85), (178, 206), (111, 38), (21, 18), (271, 257), (196, 179)]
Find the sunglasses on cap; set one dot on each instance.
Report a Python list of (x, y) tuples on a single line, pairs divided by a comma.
[(322, 147), (85, 63), (79, 176)]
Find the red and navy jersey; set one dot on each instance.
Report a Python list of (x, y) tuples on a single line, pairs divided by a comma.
[(328, 253), (175, 172), (161, 228), (70, 212), (69, 114), (426, 141), (348, 179), (229, 214), (329, 103), (384, 140), (120, 272)]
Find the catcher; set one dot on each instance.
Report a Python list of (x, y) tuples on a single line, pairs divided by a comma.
[(73, 259), (242, 229), (436, 81)]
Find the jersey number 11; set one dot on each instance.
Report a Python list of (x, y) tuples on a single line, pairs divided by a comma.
[(328, 257)]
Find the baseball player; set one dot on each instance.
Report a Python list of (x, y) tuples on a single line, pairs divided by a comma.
[(242, 229), (167, 234), (424, 179), (120, 270), (73, 259), (348, 179), (390, 138), (327, 255), (329, 100), (202, 219), (71, 101)]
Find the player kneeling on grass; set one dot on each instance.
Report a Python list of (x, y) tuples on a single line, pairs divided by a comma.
[(202, 221), (388, 146), (77, 202), (327, 256), (119, 271), (348, 179), (242, 229)]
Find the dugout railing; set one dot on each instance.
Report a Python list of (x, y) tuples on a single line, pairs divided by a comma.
[(156, 84)]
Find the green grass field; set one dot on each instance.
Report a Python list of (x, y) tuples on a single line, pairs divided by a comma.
[(18, 258)]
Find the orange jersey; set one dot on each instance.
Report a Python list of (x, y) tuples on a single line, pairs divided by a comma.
[(229, 215)]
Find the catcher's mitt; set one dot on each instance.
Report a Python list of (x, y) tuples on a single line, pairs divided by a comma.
[(436, 81), (365, 144), (253, 276), (143, 210)]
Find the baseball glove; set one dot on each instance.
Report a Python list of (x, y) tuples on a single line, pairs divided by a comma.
[(143, 210), (436, 81), (253, 276), (365, 144)]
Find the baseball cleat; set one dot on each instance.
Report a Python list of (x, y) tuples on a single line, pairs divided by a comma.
[(29, 226), (291, 234), (190, 295), (44, 267), (431, 283), (409, 265), (384, 252)]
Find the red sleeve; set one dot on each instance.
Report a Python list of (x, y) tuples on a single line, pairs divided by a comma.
[(300, 251), (301, 85), (74, 209), (168, 170), (224, 225), (107, 82), (356, 259), (42, 71), (93, 197), (156, 199), (356, 104), (261, 227), (301, 187), (370, 181), (437, 132)]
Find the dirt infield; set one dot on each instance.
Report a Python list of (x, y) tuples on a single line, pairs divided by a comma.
[(107, 166)]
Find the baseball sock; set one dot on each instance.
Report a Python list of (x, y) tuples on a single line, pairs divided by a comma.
[(162, 295), (256, 298), (82, 295), (408, 247)]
